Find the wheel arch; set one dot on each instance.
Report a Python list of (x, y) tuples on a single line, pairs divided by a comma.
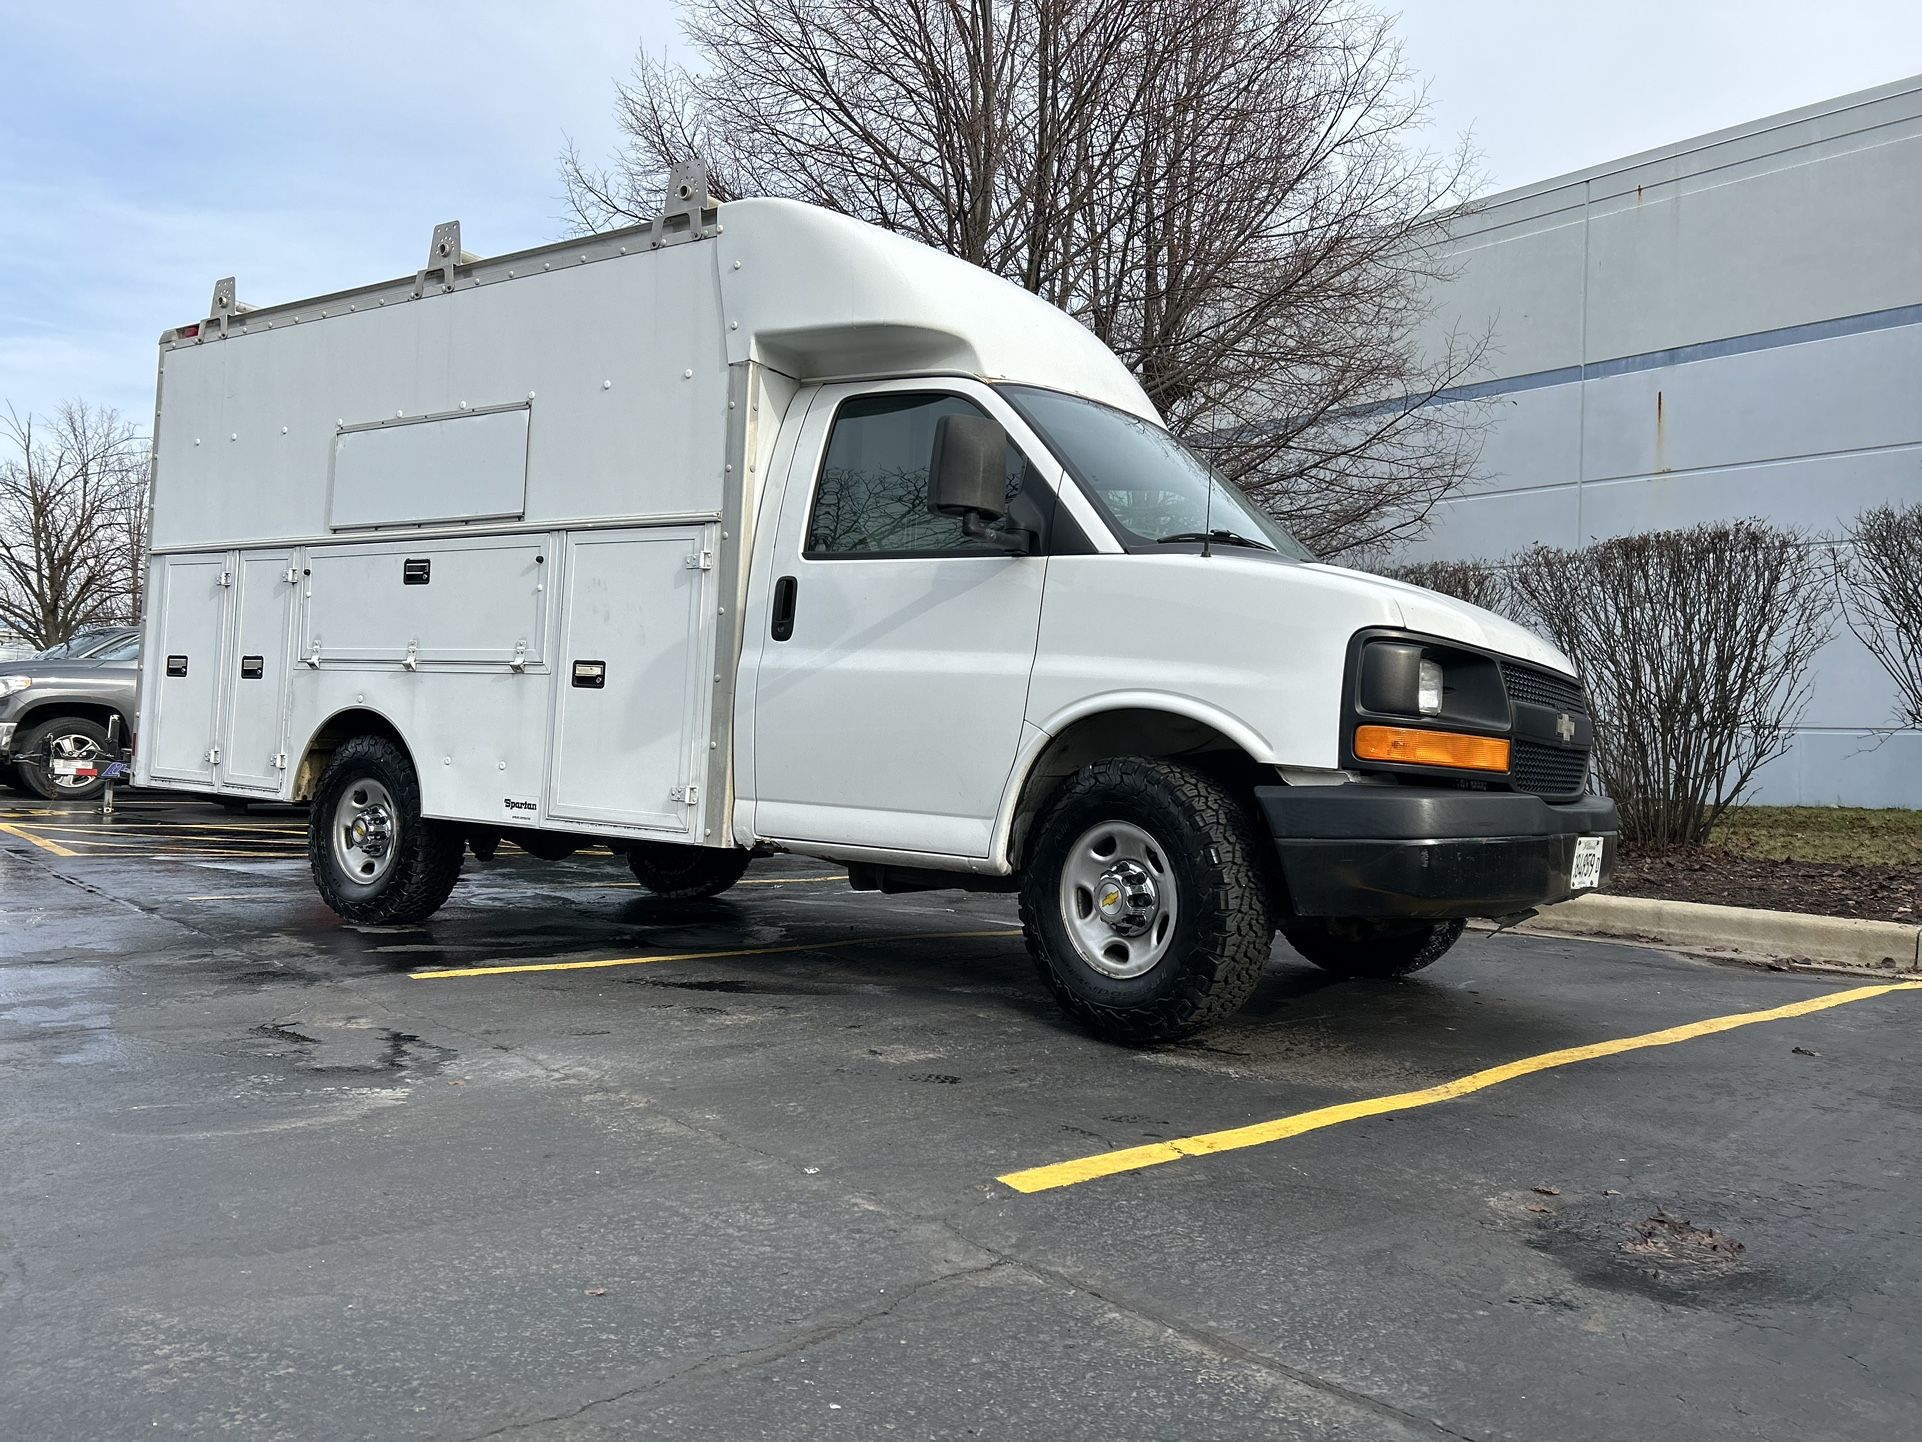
[(54, 707), (349, 722), (1124, 726)]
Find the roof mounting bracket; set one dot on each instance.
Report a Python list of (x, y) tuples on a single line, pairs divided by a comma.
[(444, 257), (221, 309), (691, 212)]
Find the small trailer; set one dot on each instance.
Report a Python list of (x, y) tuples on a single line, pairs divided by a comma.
[(755, 529)]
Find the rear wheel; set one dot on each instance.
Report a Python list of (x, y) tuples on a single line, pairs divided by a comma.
[(1144, 901), (375, 858), (59, 746), (1370, 948), (684, 873)]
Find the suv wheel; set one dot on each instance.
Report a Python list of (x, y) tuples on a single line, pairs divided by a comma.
[(1145, 902), (60, 740)]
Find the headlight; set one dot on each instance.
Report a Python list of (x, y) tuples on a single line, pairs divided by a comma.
[(11, 684), (1428, 693)]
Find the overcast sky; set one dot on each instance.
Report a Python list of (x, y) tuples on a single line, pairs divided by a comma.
[(148, 148)]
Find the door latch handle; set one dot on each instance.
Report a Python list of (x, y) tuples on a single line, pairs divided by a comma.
[(783, 626)]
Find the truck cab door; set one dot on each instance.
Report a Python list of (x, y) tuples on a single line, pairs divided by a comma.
[(895, 651)]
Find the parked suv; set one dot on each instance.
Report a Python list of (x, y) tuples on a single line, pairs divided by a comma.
[(54, 710)]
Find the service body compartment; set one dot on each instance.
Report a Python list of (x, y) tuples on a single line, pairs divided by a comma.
[(253, 732), (181, 667), (631, 707)]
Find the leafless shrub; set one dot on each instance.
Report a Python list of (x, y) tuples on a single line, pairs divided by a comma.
[(1476, 582), (1222, 190), (72, 521), (1879, 580), (1695, 647)]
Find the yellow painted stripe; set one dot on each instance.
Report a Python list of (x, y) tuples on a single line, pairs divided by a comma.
[(40, 841), (1134, 1159), (452, 971)]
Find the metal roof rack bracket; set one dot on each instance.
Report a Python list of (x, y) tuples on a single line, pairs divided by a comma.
[(444, 257)]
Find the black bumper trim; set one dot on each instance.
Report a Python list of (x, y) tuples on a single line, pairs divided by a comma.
[(1427, 852)]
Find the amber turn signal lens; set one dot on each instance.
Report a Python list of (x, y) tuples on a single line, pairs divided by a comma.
[(1410, 747)]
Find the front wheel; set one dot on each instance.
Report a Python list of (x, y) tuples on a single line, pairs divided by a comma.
[(1377, 950), (69, 753), (375, 858), (685, 873), (1145, 902)]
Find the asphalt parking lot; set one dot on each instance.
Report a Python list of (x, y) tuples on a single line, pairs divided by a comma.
[(569, 1161)]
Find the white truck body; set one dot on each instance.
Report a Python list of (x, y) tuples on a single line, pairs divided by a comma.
[(529, 516)]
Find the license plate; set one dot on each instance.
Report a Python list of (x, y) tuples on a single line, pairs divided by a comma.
[(1586, 874)]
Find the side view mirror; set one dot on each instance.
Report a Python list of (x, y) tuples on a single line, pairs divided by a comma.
[(967, 475), (968, 480)]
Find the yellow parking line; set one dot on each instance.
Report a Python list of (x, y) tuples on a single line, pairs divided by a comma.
[(1133, 1159), (445, 972), (20, 831)]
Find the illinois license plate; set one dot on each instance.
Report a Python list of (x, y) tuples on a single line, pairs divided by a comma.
[(1587, 871)]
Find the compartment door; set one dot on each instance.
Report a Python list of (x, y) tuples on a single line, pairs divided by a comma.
[(253, 733), (635, 645), (187, 671)]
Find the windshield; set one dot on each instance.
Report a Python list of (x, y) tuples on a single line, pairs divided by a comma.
[(125, 649), (1151, 488)]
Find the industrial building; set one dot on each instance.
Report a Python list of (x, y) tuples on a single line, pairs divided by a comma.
[(1729, 326)]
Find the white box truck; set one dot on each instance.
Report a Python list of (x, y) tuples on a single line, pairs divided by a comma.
[(755, 529)]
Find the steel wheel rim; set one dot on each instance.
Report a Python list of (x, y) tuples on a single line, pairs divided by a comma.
[(71, 747), (1118, 898), (366, 832)]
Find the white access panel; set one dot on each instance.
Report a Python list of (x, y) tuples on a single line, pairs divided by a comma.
[(185, 670), (253, 733), (623, 747), (480, 599), (468, 466)]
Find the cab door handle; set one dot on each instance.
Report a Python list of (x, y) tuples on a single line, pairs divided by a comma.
[(783, 623)]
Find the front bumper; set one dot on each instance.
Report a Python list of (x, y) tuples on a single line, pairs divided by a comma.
[(1428, 852)]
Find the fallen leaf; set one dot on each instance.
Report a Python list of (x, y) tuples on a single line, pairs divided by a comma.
[(597, 1291), (1549, 1191), (1804, 1051)]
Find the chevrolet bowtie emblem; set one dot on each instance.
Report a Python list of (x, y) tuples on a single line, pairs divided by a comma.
[(1565, 728)]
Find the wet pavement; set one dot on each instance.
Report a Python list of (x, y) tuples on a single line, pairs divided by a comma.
[(570, 1162)]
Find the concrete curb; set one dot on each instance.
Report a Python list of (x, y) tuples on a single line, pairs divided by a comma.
[(1881, 946)]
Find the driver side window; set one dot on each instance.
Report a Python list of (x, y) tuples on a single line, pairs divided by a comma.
[(871, 498)]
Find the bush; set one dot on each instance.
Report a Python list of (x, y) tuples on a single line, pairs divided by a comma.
[(1695, 647), (1879, 578), (1473, 581)]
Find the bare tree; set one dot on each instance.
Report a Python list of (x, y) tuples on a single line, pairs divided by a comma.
[(1879, 577), (1695, 647), (1476, 582), (1222, 190), (72, 521)]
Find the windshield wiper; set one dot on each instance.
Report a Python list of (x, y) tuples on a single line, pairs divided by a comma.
[(1227, 538)]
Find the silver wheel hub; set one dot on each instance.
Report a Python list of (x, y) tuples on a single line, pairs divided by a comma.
[(70, 749), (364, 832), (1118, 899)]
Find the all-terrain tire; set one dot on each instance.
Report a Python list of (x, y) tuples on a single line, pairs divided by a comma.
[(1222, 929), (38, 779), (1376, 950), (685, 873), (426, 855)]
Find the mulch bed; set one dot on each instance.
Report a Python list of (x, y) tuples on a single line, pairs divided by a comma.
[(1722, 878)]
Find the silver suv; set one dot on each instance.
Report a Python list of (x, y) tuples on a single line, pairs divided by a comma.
[(54, 710)]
